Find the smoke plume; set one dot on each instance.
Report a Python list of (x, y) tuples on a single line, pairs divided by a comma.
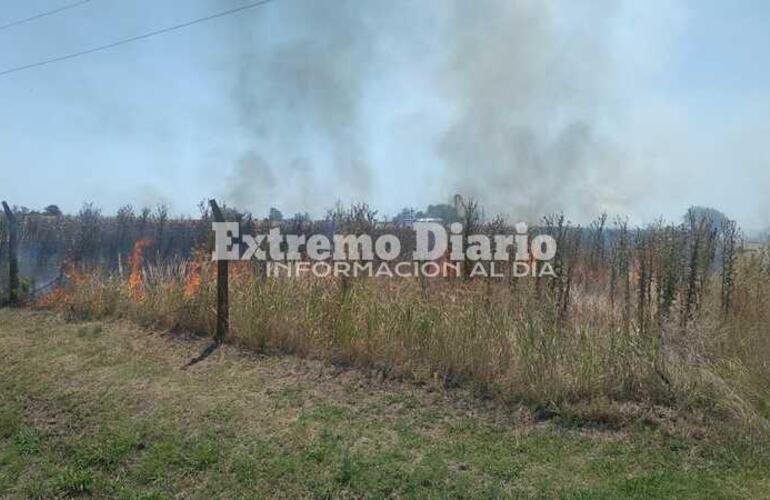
[(523, 89), (298, 100)]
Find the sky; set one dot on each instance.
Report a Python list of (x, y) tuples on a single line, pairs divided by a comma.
[(635, 108)]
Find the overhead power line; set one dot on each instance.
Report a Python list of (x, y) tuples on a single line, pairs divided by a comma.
[(42, 14), (135, 38)]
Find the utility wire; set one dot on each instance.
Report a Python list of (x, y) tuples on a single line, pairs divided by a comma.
[(135, 38), (42, 14)]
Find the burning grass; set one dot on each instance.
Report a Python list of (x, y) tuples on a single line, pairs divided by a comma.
[(646, 317)]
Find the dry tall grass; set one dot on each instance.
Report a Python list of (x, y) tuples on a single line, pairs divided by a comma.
[(674, 315)]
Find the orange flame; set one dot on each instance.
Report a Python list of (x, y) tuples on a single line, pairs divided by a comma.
[(75, 277), (193, 282), (136, 260), (194, 271), (239, 271), (62, 296)]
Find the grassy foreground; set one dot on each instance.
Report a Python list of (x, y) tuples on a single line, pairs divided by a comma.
[(104, 408)]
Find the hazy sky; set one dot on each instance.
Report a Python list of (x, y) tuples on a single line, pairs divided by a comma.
[(638, 107)]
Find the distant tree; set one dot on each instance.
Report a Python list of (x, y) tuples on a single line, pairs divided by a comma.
[(89, 234), (160, 218), (21, 210), (718, 219), (126, 212), (406, 214), (52, 210), (359, 218), (144, 219), (275, 214), (124, 229)]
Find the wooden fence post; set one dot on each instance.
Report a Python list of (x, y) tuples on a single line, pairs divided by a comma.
[(223, 304), (13, 259)]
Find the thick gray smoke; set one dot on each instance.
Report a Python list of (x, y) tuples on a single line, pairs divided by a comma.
[(298, 93), (526, 93), (522, 86)]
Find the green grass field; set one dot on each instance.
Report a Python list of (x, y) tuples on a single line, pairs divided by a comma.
[(105, 409)]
